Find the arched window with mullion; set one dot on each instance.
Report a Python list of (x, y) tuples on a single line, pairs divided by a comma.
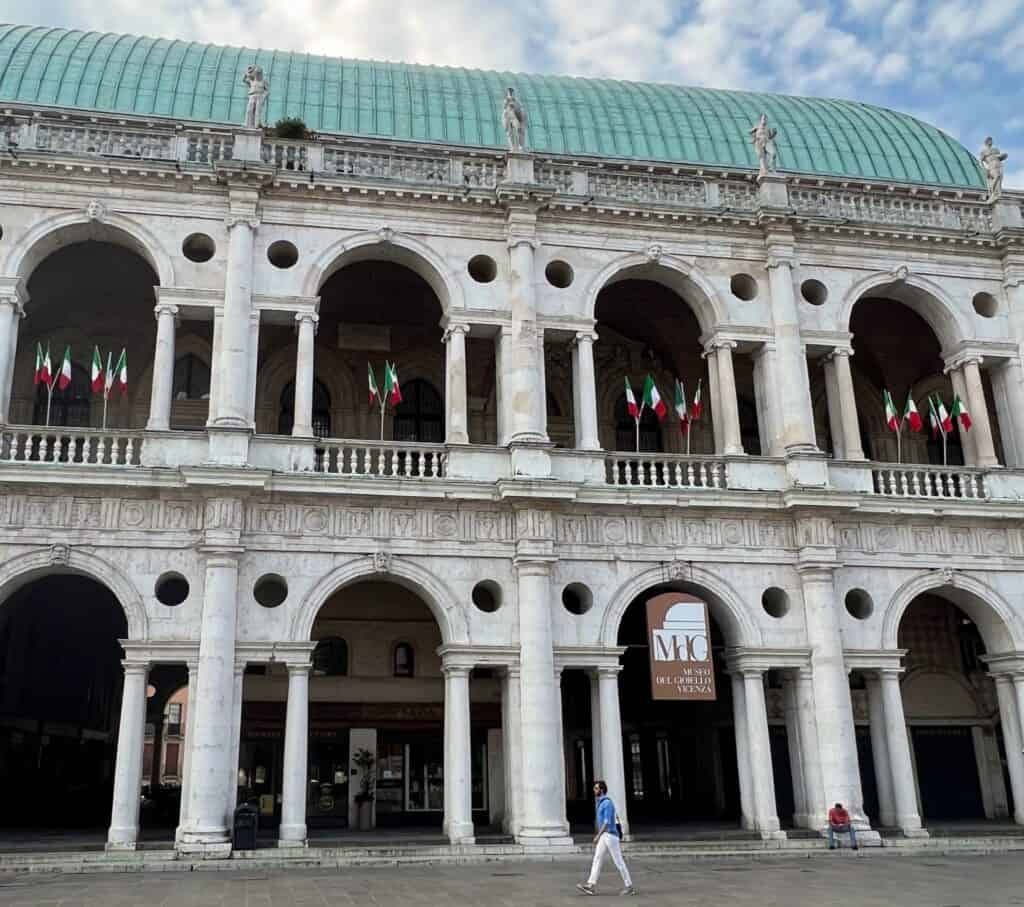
[(321, 410), (419, 418)]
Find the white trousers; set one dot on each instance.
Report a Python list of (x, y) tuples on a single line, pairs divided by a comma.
[(609, 844)]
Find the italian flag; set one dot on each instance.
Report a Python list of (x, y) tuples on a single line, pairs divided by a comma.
[(374, 393), (37, 378), (697, 406), (911, 415), (933, 417), (652, 399), (944, 418), (391, 387), (891, 418), (44, 374), (121, 372), (680, 406), (631, 406), (97, 371), (959, 411), (64, 378)]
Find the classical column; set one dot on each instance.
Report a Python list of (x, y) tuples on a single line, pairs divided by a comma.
[(898, 745), (880, 752), (296, 744), (611, 739), (584, 385), (207, 828), (956, 377), (254, 366), (814, 791), (715, 396), (739, 716), (794, 394), (1012, 742), (186, 762), (163, 368), (511, 738), (760, 753), (458, 803), (456, 401), (852, 447), (233, 395), (543, 809), (728, 404), (765, 367), (1008, 384), (124, 818), (215, 360), (791, 710), (302, 426), (236, 732), (837, 741), (156, 763), (1018, 685), (522, 353), (835, 415), (596, 735), (981, 428), (11, 313)]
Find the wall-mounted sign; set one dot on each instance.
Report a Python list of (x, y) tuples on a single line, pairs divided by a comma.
[(680, 642)]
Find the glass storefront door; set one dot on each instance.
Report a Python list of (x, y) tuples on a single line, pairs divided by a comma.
[(328, 780)]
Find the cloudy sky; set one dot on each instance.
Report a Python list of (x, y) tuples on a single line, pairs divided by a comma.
[(956, 63)]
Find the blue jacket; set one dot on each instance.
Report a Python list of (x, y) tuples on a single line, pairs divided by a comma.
[(606, 815)]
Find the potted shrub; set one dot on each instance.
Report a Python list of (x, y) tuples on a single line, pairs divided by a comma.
[(291, 128), (365, 761)]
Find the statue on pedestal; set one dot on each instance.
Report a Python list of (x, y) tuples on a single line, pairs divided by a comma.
[(259, 90), (992, 161), (513, 118), (763, 138)]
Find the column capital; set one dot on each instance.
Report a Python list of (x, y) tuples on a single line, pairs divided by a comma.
[(718, 343), (583, 337), (12, 300), (221, 555), (778, 259), (298, 667), (961, 360), (166, 308), (307, 317), (231, 221), (134, 666), (607, 670), (888, 672), (514, 242), (836, 352), (456, 670), (533, 564), (454, 327)]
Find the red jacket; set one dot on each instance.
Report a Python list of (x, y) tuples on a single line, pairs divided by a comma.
[(838, 817)]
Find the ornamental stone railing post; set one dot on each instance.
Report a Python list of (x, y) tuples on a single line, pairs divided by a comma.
[(302, 425), (456, 398), (585, 391), (124, 820), (160, 398)]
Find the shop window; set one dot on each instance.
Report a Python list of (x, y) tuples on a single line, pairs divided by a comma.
[(191, 378), (403, 660), (321, 410), (330, 657), (69, 406), (419, 418)]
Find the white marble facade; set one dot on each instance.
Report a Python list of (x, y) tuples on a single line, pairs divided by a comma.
[(229, 501)]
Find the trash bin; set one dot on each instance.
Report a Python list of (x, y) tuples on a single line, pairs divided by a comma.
[(247, 819)]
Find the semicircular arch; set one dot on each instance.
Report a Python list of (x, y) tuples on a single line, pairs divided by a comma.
[(22, 569), (397, 248), (431, 590), (724, 603)]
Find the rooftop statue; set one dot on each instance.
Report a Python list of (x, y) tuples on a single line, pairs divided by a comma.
[(763, 138), (992, 161), (259, 89), (513, 118)]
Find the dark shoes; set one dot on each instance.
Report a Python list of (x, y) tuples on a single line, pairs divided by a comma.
[(585, 887)]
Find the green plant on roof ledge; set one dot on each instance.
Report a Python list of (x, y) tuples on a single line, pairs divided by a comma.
[(291, 128)]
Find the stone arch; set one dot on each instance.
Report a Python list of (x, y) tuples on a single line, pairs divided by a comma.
[(54, 233), (990, 612), (919, 294), (687, 281), (947, 694), (724, 603), (62, 559), (384, 245), (199, 347), (434, 593)]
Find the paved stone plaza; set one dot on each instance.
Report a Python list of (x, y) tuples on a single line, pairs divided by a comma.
[(972, 881)]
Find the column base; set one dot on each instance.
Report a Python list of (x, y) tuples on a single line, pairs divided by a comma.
[(866, 837), (913, 829), (229, 444), (292, 835), (204, 850), (776, 834), (122, 839)]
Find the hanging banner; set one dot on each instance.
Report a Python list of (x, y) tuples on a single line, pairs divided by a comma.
[(680, 644)]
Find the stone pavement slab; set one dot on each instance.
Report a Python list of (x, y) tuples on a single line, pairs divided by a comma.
[(842, 878)]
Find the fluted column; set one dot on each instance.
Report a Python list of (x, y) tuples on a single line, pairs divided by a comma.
[(458, 803), (760, 753), (898, 745), (543, 809), (956, 377), (584, 385), (814, 791), (296, 743), (739, 716), (211, 776), (233, 363), (1012, 743), (794, 393), (456, 400), (11, 313), (163, 368), (880, 752), (611, 740), (302, 426), (124, 820), (726, 399), (981, 427), (852, 447)]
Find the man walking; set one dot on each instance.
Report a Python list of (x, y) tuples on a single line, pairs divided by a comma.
[(608, 840), (839, 820)]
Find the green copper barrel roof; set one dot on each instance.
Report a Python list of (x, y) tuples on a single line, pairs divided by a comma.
[(653, 122)]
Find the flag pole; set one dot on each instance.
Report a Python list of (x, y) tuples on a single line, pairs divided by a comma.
[(382, 418), (49, 400), (899, 446), (689, 428)]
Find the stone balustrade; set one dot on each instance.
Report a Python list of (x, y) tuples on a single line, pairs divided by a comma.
[(664, 471), (928, 482), (380, 459), (882, 207), (34, 444)]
